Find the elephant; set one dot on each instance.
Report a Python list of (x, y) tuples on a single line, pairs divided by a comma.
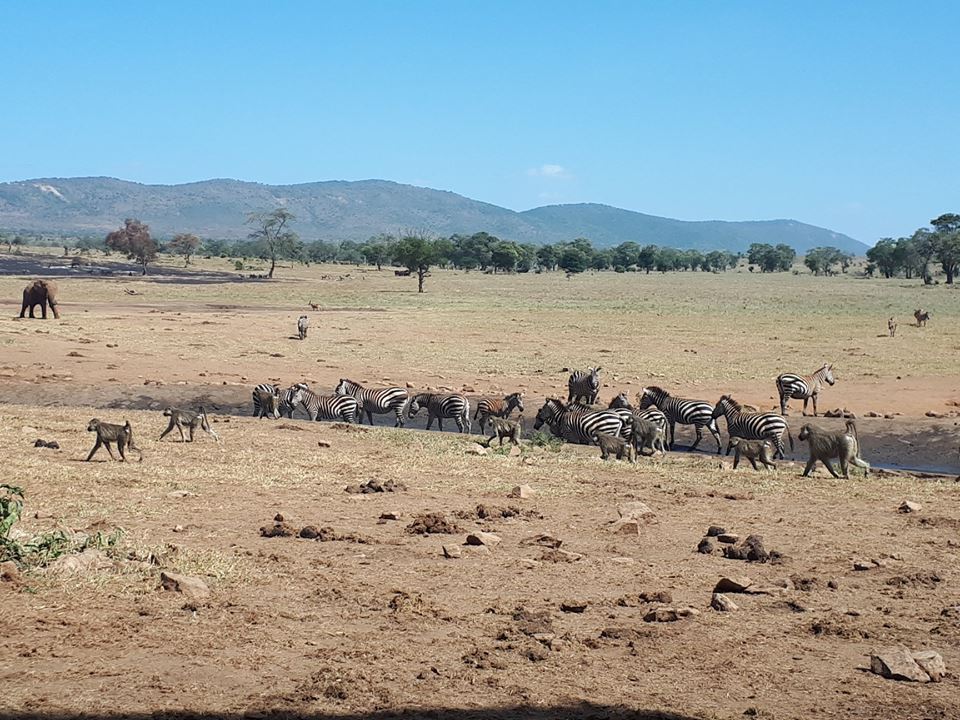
[(40, 292)]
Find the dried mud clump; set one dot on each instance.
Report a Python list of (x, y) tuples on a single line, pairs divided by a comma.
[(328, 534), (432, 524), (835, 625), (493, 512), (375, 486), (278, 529), (751, 550)]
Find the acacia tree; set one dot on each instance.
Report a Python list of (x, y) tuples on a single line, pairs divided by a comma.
[(134, 240), (417, 253), (273, 233), (947, 243), (184, 244)]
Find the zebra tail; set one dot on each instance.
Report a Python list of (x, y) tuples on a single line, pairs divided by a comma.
[(790, 438)]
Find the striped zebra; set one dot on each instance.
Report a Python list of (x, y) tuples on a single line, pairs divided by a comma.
[(698, 413), (487, 408), (803, 387), (451, 405), (375, 400), (622, 402), (288, 399), (266, 401), (327, 407), (753, 425), (584, 384), (575, 423)]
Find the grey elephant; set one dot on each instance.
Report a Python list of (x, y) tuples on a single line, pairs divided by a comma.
[(42, 293)]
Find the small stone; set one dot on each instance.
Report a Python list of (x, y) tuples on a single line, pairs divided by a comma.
[(897, 664), (706, 546), (90, 560), (573, 606), (28, 430), (833, 584), (410, 386), (523, 492), (733, 584), (931, 663), (722, 603), (862, 565), (529, 563), (194, 589), (309, 532), (178, 528), (323, 443), (543, 539), (180, 494), (557, 555), (728, 538), (908, 506), (715, 531), (668, 614), (635, 511), (9, 572), (626, 527), (476, 449), (482, 538), (391, 515), (514, 451), (451, 551), (657, 596)]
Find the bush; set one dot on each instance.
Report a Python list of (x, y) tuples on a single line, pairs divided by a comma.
[(545, 439)]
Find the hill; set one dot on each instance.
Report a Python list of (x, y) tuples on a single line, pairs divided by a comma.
[(341, 210)]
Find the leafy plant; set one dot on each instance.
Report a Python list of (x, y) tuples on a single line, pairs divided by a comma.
[(544, 439)]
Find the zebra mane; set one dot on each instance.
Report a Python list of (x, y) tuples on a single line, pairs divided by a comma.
[(656, 389)]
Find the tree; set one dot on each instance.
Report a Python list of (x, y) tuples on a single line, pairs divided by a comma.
[(528, 257), (884, 256), (417, 253), (271, 229), (134, 240), (573, 259), (785, 255), (504, 256), (822, 259), (947, 243), (625, 254), (924, 243), (548, 256), (376, 253), (763, 256), (184, 244), (647, 257)]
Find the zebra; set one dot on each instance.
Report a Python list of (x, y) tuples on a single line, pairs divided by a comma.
[(575, 423), (454, 406), (584, 384), (327, 407), (375, 400), (803, 387), (753, 425), (303, 324), (487, 408), (266, 401), (288, 399), (622, 402), (698, 413)]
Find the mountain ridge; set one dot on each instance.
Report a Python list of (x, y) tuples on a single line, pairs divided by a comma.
[(357, 209)]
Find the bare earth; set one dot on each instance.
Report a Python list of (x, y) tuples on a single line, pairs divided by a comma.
[(374, 618)]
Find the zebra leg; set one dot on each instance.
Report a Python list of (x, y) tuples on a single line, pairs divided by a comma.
[(781, 450), (673, 430), (805, 401), (783, 401), (814, 398), (439, 423), (460, 424), (716, 433), (699, 438)]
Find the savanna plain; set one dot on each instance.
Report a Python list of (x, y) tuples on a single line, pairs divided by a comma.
[(563, 616)]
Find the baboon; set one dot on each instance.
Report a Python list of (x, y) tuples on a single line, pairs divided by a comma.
[(313, 306), (752, 450), (892, 327), (825, 445), (922, 316), (503, 428), (193, 420), (647, 434), (303, 323), (108, 433), (610, 445)]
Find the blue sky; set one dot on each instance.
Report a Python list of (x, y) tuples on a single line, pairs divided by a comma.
[(841, 114)]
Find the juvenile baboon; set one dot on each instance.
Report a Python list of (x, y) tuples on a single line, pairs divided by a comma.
[(179, 418), (922, 316), (108, 433), (892, 327), (753, 450), (826, 445), (647, 434), (313, 306), (503, 428), (611, 445), (303, 323)]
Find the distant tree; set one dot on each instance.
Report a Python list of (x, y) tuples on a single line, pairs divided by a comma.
[(417, 253), (647, 257), (185, 244), (528, 257), (924, 242), (504, 256), (376, 253), (272, 230), (573, 259), (822, 260), (214, 248), (548, 256), (947, 243), (134, 240), (626, 254), (884, 256), (321, 251), (764, 256), (785, 255), (601, 259)]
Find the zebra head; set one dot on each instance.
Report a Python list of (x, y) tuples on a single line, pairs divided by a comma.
[(415, 403), (295, 393), (827, 371), (548, 414), (344, 387), (725, 406), (515, 400), (271, 401), (620, 401), (595, 378)]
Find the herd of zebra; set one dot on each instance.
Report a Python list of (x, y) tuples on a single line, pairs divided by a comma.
[(578, 420)]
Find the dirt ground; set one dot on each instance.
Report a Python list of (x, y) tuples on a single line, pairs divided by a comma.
[(372, 619)]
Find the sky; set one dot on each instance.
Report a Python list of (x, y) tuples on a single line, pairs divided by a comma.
[(841, 114)]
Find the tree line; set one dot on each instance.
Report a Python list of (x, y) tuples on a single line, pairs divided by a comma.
[(912, 256)]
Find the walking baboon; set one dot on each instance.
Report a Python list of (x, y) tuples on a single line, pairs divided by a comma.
[(193, 420), (752, 450), (611, 445), (892, 327), (108, 433), (922, 316), (826, 445), (313, 306), (303, 323), (503, 428), (647, 434)]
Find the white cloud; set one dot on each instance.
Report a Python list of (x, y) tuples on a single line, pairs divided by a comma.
[(548, 170)]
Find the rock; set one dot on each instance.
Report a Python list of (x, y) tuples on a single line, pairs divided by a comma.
[(897, 664), (529, 563), (514, 451), (872, 414), (722, 603), (10, 573), (715, 531), (626, 527), (657, 596), (751, 550), (933, 414), (833, 584), (177, 528), (543, 539), (931, 663), (180, 494), (476, 449), (391, 515), (573, 606), (323, 443), (278, 529), (194, 589), (908, 506), (728, 538), (28, 430), (309, 532), (410, 386), (635, 511), (706, 546), (888, 416), (862, 565), (669, 614), (451, 551), (556, 555), (482, 538), (523, 492), (90, 560), (733, 584)]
